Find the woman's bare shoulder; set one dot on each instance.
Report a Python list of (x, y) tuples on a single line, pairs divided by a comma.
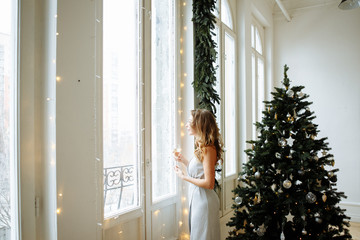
[(210, 149)]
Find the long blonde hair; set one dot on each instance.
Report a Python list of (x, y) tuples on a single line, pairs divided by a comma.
[(208, 134)]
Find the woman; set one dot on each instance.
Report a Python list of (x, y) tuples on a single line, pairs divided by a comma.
[(203, 201)]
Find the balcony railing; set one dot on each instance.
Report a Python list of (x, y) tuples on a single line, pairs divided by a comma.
[(117, 179)]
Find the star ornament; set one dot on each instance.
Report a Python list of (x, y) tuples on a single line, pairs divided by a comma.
[(290, 142), (289, 217)]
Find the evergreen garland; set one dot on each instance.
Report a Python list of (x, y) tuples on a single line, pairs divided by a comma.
[(205, 55)]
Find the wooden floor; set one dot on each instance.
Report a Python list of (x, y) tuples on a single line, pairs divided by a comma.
[(355, 230)]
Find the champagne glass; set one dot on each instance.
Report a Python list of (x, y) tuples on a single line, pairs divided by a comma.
[(177, 152)]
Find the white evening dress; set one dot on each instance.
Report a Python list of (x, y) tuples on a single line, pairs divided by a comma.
[(203, 207)]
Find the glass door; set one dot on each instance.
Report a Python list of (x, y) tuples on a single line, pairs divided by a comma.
[(9, 215)]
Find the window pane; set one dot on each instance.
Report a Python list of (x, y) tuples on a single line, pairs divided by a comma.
[(252, 36), (163, 98), (258, 42), (8, 159), (253, 93), (216, 10), (261, 88), (120, 106), (230, 117), (226, 13)]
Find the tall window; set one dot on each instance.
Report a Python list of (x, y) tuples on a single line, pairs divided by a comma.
[(8, 121), (121, 106), (162, 98), (229, 104), (258, 72), (226, 85)]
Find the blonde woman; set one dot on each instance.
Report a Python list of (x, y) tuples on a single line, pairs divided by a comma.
[(203, 201)]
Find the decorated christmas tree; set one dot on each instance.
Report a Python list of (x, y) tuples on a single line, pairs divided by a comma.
[(287, 187)]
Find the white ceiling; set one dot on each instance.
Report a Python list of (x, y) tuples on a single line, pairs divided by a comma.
[(291, 5)]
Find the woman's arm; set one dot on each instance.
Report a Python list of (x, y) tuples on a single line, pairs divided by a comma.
[(209, 170)]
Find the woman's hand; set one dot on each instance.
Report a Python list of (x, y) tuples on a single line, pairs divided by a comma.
[(178, 157), (179, 172)]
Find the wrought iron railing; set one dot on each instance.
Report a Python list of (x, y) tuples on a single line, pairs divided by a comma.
[(118, 178)]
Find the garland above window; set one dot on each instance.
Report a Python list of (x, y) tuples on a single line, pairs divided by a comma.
[(205, 55)]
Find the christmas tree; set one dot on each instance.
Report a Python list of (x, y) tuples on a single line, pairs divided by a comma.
[(287, 187)]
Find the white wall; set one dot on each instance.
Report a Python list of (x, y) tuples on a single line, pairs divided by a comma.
[(77, 120), (322, 48)]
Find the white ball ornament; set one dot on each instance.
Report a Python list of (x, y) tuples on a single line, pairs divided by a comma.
[(287, 184), (257, 175), (238, 200), (318, 220), (310, 197)]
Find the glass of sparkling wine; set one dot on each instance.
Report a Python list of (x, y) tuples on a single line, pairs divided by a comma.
[(177, 151)]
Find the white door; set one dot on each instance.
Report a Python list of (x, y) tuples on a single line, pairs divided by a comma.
[(139, 118), (161, 118)]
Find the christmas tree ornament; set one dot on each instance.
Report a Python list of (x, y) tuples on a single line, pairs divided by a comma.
[(298, 182), (316, 158), (303, 217), (275, 116), (273, 187), (260, 231), (239, 178), (290, 142), (301, 172), (318, 183), (278, 155), (324, 197), (238, 200), (290, 93), (280, 190), (310, 197), (257, 175), (282, 142), (282, 236), (324, 153), (266, 128), (307, 109), (333, 162), (287, 184), (318, 220), (289, 217), (330, 174), (303, 232), (300, 94)]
